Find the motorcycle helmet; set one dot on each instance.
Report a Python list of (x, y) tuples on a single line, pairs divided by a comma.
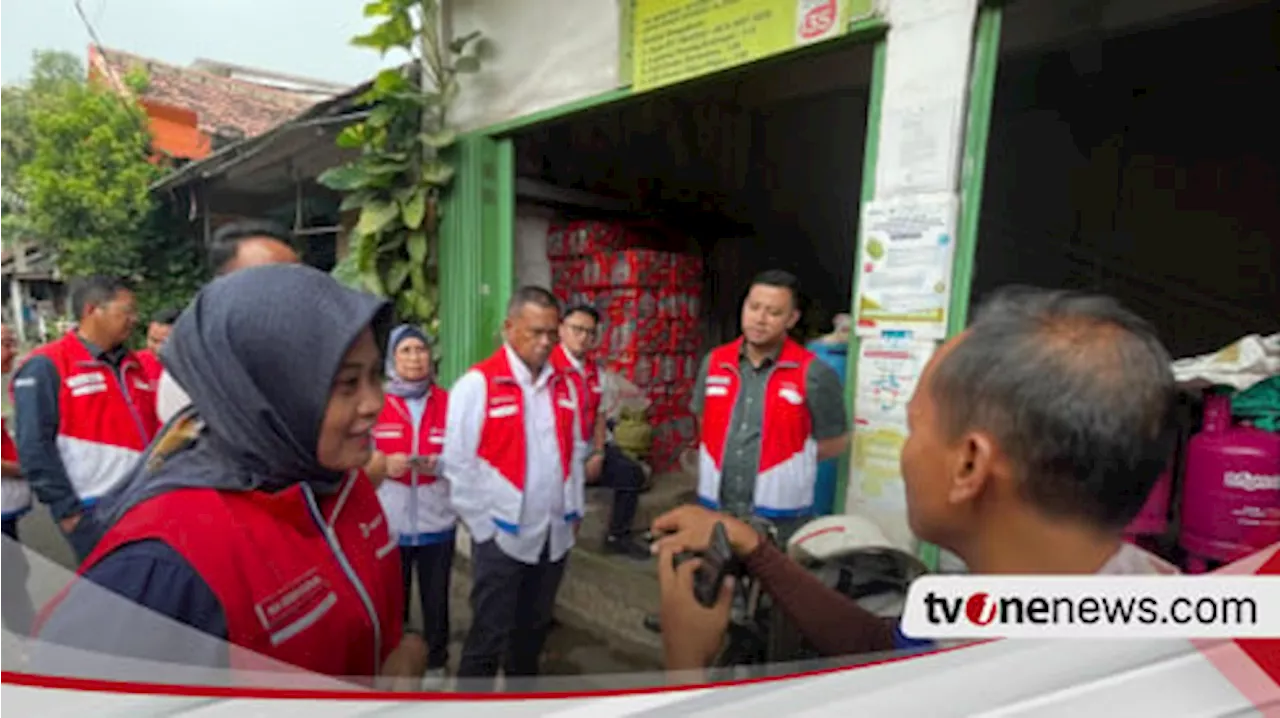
[(851, 554)]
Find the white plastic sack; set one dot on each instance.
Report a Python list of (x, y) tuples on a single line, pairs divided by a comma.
[(619, 393), (1240, 365)]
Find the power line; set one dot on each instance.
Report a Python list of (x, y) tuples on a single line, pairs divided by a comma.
[(97, 43), (107, 66)]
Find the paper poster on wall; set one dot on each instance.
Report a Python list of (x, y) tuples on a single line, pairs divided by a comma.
[(904, 268), (888, 372), (876, 488), (676, 40), (926, 80)]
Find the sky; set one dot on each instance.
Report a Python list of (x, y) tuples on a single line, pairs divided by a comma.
[(300, 37)]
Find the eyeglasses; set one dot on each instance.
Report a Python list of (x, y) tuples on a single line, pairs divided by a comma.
[(581, 330)]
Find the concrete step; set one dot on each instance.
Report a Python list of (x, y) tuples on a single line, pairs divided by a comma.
[(604, 597), (668, 491)]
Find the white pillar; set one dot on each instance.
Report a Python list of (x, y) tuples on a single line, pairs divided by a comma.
[(920, 145)]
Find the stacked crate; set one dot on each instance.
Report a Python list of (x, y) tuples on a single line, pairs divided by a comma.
[(649, 299)]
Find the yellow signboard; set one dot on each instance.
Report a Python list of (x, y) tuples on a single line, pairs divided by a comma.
[(675, 40)]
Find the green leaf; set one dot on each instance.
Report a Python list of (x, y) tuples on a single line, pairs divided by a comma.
[(437, 173), (386, 167), (354, 200), (375, 216), (417, 247), (467, 64), (424, 307), (418, 278), (413, 210), (392, 242), (351, 137), (459, 44), (344, 178), (439, 140), (374, 39), (389, 81), (381, 116), (378, 8), (396, 276), (450, 91), (372, 282), (404, 306)]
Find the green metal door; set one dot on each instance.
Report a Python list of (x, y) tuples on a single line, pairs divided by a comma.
[(476, 252)]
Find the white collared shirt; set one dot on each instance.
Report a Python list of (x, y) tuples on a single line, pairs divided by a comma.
[(170, 398), (542, 512)]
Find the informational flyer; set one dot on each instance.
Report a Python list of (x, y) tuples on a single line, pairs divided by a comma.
[(876, 488), (906, 254), (889, 370)]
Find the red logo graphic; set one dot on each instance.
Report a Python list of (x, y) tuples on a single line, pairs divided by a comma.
[(980, 609), (818, 21)]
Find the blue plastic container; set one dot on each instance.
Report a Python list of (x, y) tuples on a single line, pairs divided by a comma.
[(835, 356)]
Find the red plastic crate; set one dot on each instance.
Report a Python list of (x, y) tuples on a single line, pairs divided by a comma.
[(632, 268), (680, 303), (686, 270), (578, 238), (565, 273)]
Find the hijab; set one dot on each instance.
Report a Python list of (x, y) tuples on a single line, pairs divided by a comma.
[(396, 384), (257, 351)]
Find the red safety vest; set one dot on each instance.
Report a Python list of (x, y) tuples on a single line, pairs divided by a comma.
[(104, 423), (588, 386), (289, 591), (502, 451), (788, 452), (15, 494), (416, 504)]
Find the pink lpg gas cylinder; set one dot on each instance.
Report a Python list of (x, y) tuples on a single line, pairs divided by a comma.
[(1231, 493), (1153, 520)]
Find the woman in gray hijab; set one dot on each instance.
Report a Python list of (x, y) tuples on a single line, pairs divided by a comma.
[(248, 518)]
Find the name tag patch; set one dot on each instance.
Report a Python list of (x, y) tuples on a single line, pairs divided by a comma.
[(297, 606), (388, 432), (717, 390), (86, 384), (500, 412), (791, 396), (719, 380)]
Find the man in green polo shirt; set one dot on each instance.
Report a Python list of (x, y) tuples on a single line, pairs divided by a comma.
[(768, 412)]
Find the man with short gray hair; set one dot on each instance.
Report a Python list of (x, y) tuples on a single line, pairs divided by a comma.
[(1035, 437), (513, 455)]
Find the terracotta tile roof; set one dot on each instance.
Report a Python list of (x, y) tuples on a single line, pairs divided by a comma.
[(224, 105)]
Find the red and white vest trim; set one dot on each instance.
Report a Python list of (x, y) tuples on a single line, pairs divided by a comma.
[(416, 504), (502, 453), (788, 465), (16, 493), (589, 387), (311, 581)]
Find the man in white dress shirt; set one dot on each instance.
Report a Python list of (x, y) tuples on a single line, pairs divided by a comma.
[(233, 247), (513, 456)]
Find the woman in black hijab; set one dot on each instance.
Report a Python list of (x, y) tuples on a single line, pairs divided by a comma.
[(247, 519)]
